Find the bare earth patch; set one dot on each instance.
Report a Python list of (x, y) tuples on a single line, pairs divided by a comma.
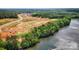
[(7, 20), (25, 24)]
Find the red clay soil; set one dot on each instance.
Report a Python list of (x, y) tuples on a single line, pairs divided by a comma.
[(23, 26)]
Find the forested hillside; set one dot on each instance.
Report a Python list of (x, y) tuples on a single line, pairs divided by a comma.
[(48, 13)]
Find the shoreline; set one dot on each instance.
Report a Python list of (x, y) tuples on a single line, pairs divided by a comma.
[(33, 37)]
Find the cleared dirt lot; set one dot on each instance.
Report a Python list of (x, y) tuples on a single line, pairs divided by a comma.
[(7, 20), (23, 24)]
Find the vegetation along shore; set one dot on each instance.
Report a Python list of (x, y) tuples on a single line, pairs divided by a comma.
[(28, 30)]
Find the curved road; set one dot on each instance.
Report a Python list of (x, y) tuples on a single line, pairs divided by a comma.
[(14, 22)]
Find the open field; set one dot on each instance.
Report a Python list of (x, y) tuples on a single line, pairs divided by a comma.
[(6, 20), (26, 30), (23, 24)]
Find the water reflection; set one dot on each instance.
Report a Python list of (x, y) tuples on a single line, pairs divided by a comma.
[(66, 39)]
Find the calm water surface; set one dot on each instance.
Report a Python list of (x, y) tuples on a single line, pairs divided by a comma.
[(66, 38)]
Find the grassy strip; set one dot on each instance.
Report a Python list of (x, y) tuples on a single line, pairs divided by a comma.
[(31, 38)]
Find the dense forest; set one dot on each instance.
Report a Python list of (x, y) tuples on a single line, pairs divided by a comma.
[(47, 13)]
